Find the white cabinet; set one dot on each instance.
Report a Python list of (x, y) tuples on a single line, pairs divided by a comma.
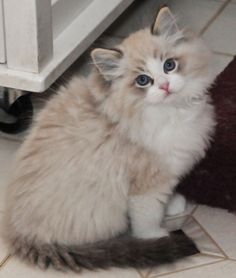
[(28, 34), (2, 39), (39, 39)]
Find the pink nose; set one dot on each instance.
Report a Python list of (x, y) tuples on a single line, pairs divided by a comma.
[(165, 86)]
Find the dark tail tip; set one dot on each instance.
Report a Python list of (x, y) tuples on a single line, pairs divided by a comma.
[(185, 245)]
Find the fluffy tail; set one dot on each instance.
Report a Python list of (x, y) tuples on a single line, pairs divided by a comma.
[(120, 252)]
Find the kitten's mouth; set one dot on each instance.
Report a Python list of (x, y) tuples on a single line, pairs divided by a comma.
[(166, 92)]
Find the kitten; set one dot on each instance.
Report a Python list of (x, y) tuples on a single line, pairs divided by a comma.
[(110, 148)]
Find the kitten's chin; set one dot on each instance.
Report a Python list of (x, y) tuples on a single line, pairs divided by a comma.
[(157, 97)]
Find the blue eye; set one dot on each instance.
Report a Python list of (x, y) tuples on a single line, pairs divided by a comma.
[(169, 65), (143, 80)]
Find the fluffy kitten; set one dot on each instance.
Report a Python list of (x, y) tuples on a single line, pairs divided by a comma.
[(110, 148)]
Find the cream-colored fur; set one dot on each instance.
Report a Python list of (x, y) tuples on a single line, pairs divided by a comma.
[(103, 148)]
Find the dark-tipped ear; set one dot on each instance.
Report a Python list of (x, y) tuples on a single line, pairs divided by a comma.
[(165, 23), (107, 62)]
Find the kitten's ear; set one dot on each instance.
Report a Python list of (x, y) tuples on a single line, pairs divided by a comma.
[(107, 62), (165, 23)]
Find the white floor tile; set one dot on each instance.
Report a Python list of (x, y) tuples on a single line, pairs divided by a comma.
[(190, 13), (209, 252), (8, 150), (17, 269), (219, 62), (221, 35), (194, 231), (194, 14), (221, 225), (181, 266), (140, 15), (216, 270)]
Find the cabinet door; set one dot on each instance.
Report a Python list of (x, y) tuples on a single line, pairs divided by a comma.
[(2, 38)]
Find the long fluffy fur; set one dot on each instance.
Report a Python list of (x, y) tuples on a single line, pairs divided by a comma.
[(104, 151)]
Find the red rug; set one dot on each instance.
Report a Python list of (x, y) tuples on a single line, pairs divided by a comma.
[(213, 181)]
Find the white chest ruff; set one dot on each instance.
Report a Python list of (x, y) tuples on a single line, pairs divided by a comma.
[(179, 136)]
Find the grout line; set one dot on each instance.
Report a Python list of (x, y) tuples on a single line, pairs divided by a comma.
[(194, 210), (146, 275), (4, 261), (212, 255), (149, 273), (213, 18), (224, 54), (187, 217), (201, 226), (186, 269), (141, 274)]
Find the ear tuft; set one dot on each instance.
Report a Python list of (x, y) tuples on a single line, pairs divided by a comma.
[(107, 62), (165, 23)]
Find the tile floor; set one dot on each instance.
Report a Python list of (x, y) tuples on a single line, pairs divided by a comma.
[(213, 230)]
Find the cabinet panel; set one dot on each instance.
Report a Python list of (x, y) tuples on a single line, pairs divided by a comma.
[(64, 12), (28, 34), (2, 37), (72, 36)]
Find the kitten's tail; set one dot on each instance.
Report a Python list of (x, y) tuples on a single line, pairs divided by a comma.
[(120, 252)]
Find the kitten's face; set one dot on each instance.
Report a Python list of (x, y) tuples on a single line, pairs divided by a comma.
[(159, 78), (162, 65)]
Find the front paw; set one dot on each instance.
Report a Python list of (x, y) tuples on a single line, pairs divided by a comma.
[(177, 205)]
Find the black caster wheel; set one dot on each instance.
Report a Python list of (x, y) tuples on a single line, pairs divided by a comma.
[(18, 106)]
